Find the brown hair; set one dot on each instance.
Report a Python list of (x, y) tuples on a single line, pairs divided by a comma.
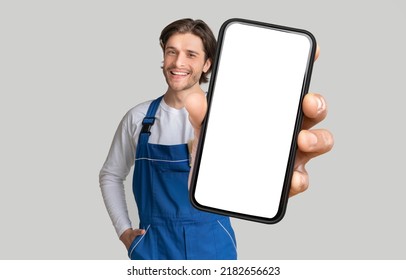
[(195, 27)]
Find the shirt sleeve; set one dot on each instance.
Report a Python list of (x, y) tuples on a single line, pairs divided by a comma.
[(115, 170)]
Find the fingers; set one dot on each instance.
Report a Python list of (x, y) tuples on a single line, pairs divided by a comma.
[(128, 236), (310, 143), (316, 56), (314, 105), (139, 232), (314, 142), (314, 110), (299, 183)]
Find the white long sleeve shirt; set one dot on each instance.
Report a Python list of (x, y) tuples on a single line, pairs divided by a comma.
[(171, 127)]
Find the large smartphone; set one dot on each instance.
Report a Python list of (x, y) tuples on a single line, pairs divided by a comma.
[(246, 151)]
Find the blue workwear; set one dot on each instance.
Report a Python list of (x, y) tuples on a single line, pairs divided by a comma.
[(174, 229)]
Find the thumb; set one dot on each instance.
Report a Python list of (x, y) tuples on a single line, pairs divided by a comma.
[(196, 105)]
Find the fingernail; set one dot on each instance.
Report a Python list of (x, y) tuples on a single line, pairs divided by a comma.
[(311, 139), (321, 105)]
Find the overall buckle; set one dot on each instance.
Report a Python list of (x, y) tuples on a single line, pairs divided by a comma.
[(146, 124)]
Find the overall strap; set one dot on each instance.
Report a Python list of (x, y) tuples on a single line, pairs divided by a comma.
[(148, 121)]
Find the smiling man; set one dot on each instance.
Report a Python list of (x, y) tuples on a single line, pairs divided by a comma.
[(153, 137)]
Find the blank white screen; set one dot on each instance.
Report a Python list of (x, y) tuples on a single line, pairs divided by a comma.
[(252, 118)]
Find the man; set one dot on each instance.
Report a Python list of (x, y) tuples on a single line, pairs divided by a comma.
[(155, 134)]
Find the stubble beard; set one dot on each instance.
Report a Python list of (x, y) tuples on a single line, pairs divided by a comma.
[(189, 82)]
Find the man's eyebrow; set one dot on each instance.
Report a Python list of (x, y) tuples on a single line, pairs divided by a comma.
[(188, 51), (193, 52)]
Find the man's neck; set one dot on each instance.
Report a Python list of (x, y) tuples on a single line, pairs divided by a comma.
[(175, 99)]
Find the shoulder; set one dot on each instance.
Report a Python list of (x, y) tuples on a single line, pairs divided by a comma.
[(139, 110), (134, 116)]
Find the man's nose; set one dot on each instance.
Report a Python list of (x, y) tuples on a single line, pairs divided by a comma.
[(180, 60)]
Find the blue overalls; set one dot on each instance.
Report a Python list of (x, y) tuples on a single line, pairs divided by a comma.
[(174, 229)]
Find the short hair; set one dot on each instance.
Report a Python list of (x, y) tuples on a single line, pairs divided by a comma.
[(195, 27)]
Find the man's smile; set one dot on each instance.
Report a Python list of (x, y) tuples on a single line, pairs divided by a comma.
[(179, 73)]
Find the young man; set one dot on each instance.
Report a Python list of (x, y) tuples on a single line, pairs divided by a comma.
[(155, 134)]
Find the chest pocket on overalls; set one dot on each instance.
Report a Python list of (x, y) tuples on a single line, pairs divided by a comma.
[(170, 188)]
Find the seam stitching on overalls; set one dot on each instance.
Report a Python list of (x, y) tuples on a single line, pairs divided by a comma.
[(146, 231), (164, 160), (229, 235)]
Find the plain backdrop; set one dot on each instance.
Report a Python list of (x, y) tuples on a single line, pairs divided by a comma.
[(69, 71)]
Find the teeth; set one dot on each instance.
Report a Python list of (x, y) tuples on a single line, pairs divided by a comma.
[(179, 73)]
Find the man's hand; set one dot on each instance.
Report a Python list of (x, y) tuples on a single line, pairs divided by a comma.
[(311, 143), (196, 105), (128, 236)]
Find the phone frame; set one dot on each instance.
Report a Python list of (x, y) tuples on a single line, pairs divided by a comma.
[(299, 118)]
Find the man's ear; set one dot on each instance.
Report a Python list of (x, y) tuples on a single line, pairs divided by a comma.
[(207, 65)]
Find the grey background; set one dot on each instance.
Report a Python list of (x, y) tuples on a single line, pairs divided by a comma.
[(69, 70)]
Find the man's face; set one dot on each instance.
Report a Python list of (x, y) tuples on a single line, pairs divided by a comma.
[(184, 61)]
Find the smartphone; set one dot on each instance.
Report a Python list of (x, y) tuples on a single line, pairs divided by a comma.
[(247, 146)]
